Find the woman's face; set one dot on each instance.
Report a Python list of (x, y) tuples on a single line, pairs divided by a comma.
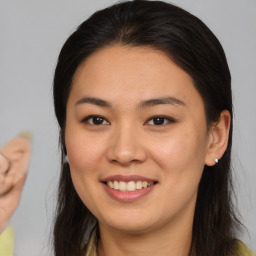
[(136, 138)]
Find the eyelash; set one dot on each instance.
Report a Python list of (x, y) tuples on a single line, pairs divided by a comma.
[(166, 120), (86, 119)]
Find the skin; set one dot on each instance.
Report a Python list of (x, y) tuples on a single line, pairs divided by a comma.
[(11, 184), (128, 142)]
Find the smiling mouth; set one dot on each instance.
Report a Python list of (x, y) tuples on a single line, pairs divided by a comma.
[(129, 186)]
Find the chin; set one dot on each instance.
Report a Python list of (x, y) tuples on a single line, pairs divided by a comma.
[(131, 224)]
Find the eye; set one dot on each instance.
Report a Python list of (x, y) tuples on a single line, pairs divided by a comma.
[(95, 120), (160, 120)]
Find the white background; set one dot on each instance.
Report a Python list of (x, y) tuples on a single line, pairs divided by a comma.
[(31, 36)]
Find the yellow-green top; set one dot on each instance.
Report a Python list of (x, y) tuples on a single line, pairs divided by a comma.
[(7, 242), (243, 250), (7, 245)]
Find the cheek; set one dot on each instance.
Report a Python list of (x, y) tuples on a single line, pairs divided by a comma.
[(84, 152), (181, 156), (175, 150), (181, 161)]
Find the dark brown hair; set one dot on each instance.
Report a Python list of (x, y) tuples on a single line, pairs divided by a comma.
[(192, 46)]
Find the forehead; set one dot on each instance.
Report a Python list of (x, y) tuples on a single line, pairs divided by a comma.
[(132, 73)]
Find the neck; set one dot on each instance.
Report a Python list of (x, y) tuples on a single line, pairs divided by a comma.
[(172, 240)]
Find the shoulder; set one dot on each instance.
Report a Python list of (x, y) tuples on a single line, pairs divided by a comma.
[(243, 250)]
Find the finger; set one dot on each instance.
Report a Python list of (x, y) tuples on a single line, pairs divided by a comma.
[(6, 184), (10, 200), (18, 151), (17, 147)]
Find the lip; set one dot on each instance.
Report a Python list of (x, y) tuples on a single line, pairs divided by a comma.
[(128, 196)]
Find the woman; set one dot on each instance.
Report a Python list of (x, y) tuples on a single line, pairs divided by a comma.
[(142, 94)]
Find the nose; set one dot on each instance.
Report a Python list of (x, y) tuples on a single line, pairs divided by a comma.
[(126, 147)]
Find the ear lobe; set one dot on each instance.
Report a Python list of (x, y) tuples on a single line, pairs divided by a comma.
[(218, 141)]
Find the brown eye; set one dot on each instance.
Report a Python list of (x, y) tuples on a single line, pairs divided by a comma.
[(95, 120), (160, 120)]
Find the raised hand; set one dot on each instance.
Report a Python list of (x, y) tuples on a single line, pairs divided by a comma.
[(14, 161)]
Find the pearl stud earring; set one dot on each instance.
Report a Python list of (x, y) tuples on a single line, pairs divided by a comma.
[(216, 160), (66, 159)]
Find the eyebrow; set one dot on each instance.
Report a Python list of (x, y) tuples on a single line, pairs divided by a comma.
[(143, 104), (94, 101), (161, 101)]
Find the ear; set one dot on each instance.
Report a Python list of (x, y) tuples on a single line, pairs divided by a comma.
[(218, 138)]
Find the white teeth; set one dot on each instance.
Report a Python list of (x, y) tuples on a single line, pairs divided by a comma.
[(139, 185), (122, 186), (129, 186), (116, 185), (110, 184), (144, 184)]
